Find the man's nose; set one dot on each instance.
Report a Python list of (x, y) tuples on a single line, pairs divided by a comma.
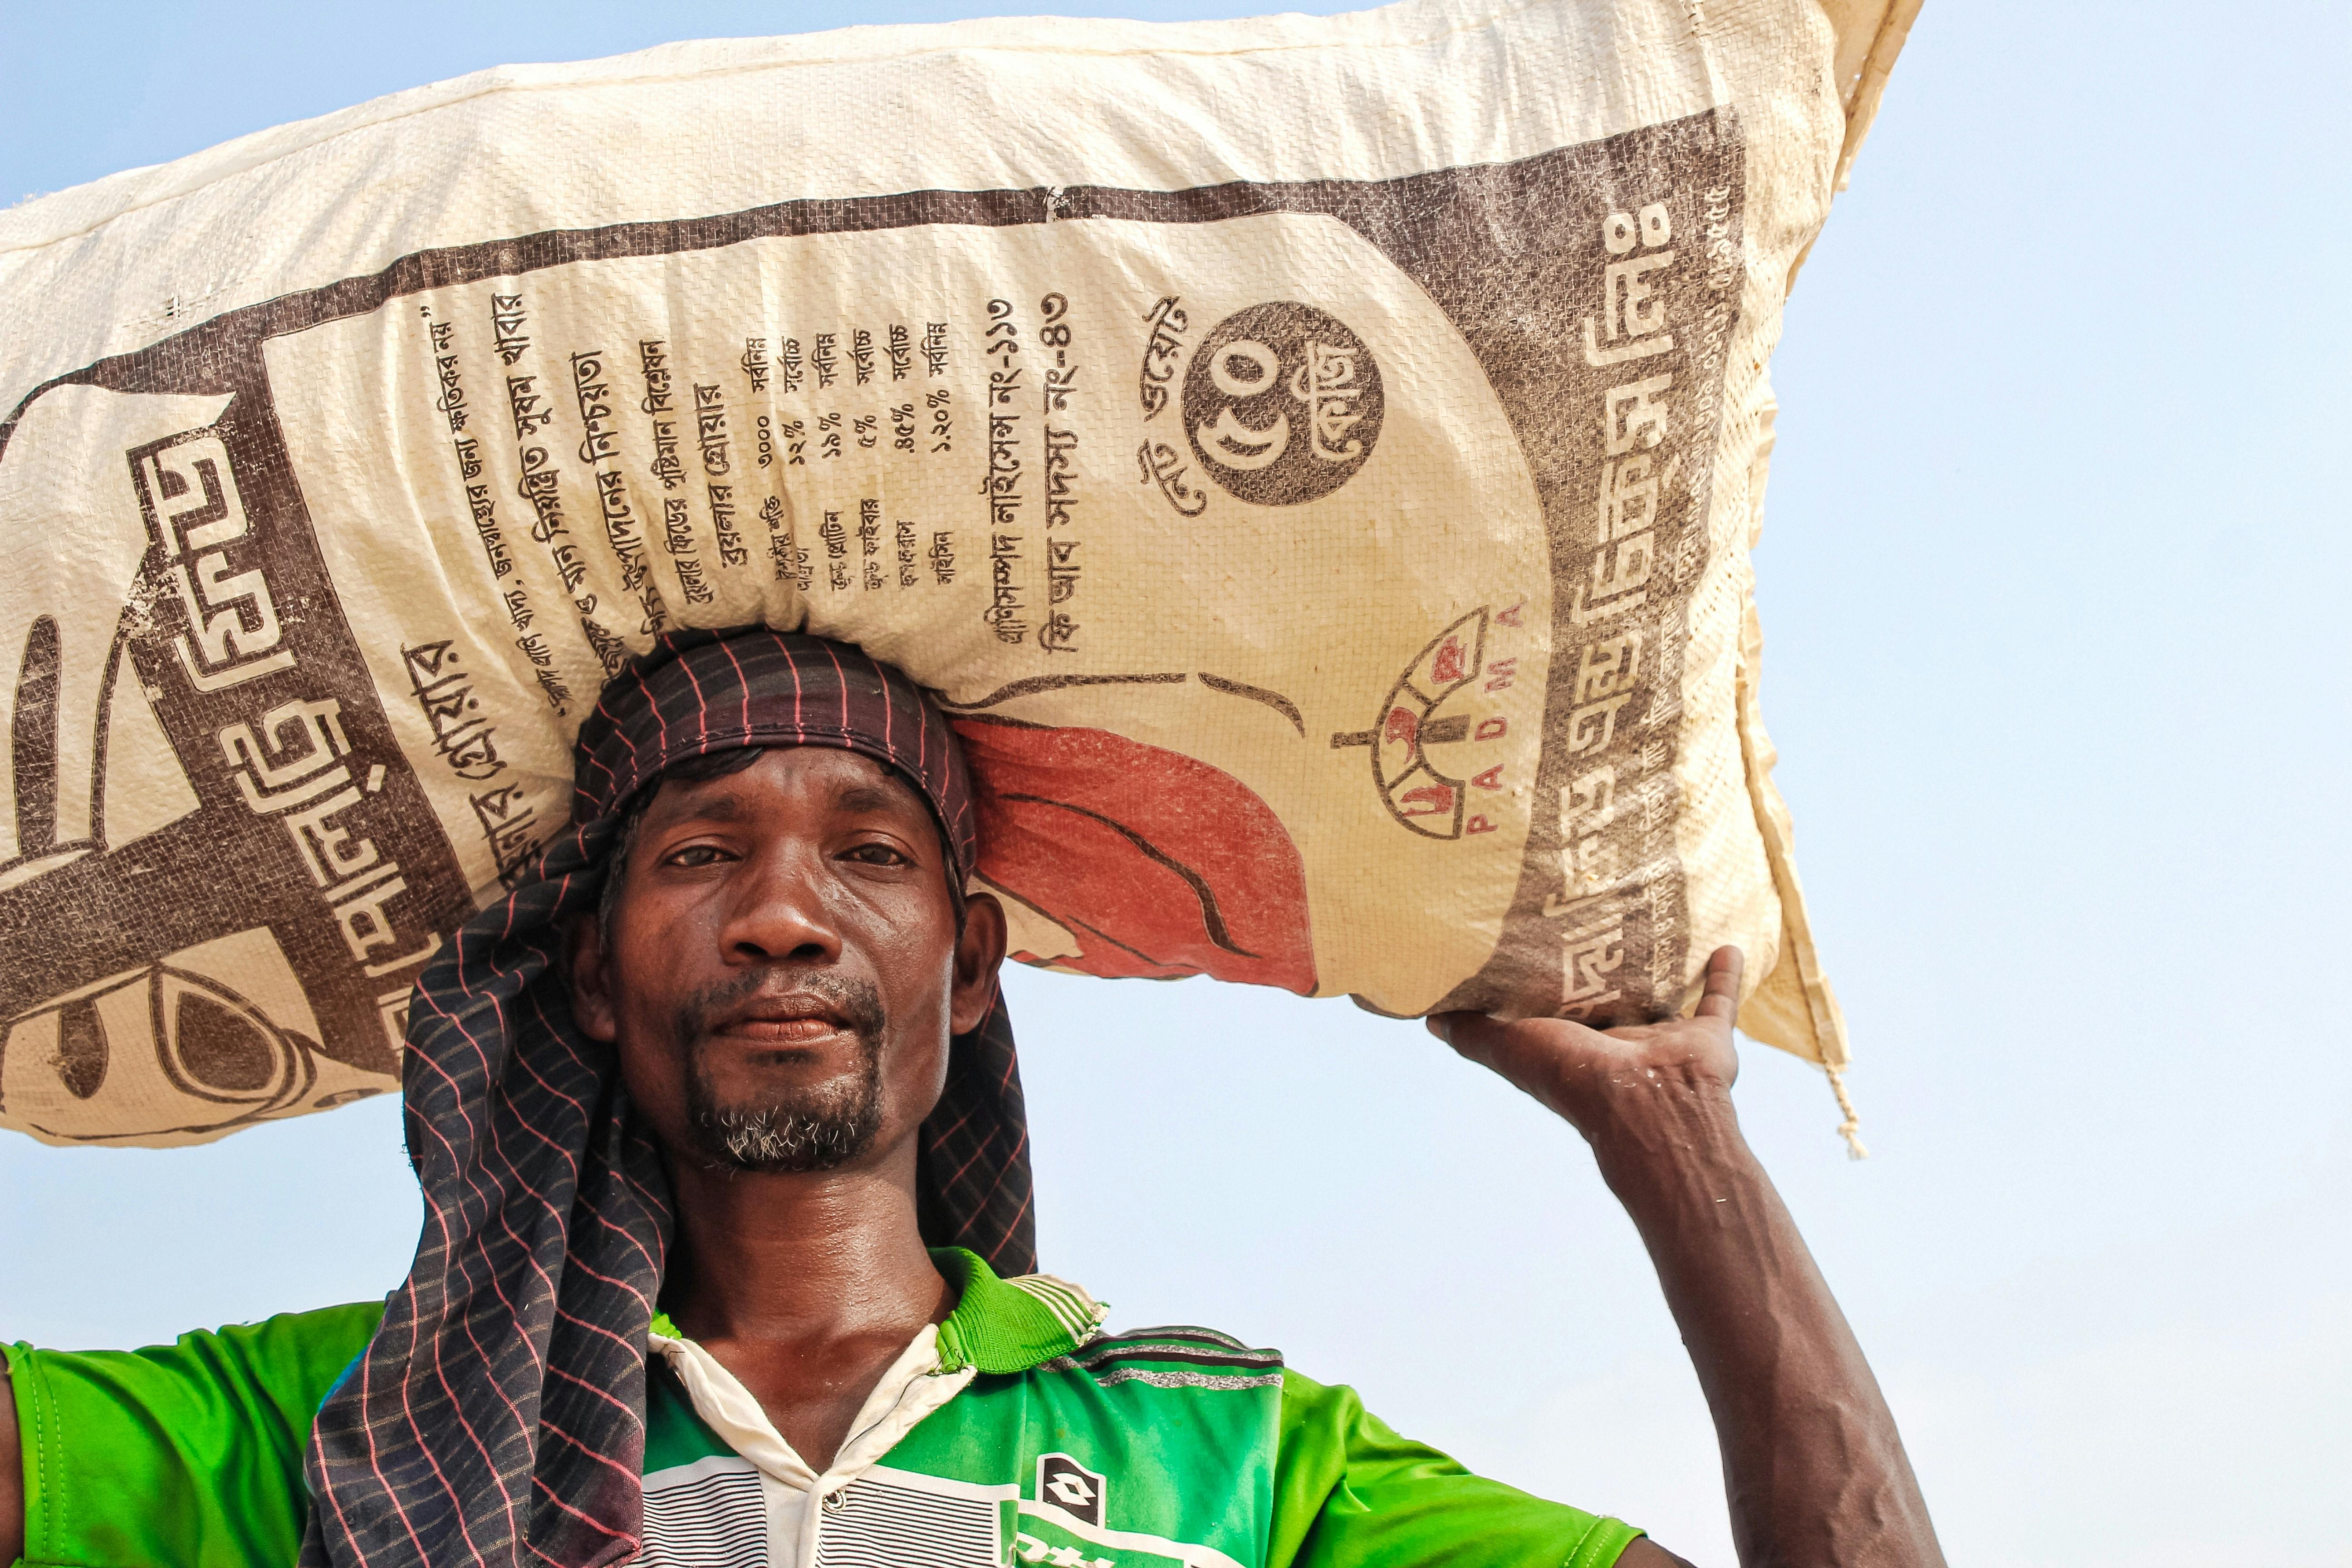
[(779, 911)]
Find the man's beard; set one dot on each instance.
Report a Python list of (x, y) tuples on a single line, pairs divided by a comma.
[(815, 1129)]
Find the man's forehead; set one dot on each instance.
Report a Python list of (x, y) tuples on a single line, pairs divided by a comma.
[(824, 776)]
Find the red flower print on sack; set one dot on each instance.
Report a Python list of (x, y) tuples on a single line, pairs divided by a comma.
[(1157, 864)]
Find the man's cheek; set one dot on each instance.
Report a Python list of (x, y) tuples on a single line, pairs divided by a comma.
[(657, 1095), (918, 965)]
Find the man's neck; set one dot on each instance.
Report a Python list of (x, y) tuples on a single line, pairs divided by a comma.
[(805, 1286), (800, 1256)]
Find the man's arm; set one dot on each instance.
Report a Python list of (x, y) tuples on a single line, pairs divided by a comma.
[(1813, 1465), (12, 1475)]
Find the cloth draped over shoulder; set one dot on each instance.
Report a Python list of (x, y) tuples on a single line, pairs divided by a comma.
[(498, 1414)]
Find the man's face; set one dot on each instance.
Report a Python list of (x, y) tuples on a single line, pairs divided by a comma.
[(783, 971)]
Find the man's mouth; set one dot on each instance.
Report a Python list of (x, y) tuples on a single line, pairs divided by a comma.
[(785, 1023), (783, 1015)]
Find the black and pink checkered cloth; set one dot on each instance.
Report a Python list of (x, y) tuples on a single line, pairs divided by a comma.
[(498, 1417)]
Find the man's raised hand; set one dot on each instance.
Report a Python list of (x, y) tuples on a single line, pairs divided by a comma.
[(1595, 1077)]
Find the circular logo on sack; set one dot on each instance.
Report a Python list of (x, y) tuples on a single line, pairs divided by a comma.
[(1282, 403)]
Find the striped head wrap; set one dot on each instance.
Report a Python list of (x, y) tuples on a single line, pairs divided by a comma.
[(499, 1415)]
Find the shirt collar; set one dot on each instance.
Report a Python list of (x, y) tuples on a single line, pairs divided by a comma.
[(998, 1325), (1011, 1325)]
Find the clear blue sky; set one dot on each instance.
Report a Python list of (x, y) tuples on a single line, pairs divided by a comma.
[(2054, 579)]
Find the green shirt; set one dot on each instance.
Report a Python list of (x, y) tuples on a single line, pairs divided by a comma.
[(1016, 1435)]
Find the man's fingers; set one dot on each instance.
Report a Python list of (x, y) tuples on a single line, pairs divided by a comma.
[(1469, 1033), (1721, 997), (1528, 1055)]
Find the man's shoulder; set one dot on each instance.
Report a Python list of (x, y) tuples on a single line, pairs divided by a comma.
[(289, 1349), (1172, 1355), (187, 1452)]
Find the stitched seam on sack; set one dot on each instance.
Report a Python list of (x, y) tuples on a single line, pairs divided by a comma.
[(492, 89)]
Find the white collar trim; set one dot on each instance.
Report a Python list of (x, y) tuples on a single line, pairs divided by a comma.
[(908, 1392)]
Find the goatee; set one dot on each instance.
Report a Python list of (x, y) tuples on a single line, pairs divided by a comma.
[(815, 1129)]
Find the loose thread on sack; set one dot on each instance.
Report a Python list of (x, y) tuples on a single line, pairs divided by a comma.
[(1851, 1128)]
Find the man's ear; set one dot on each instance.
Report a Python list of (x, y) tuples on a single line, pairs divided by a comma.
[(978, 953), (590, 973)]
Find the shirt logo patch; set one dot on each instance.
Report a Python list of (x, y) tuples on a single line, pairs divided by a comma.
[(1071, 1487)]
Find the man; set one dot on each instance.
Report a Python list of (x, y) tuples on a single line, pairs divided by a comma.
[(687, 1109)]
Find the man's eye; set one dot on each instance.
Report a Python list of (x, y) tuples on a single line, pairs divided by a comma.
[(694, 855), (878, 854)]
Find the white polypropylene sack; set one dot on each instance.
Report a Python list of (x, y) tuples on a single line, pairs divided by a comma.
[(1315, 459)]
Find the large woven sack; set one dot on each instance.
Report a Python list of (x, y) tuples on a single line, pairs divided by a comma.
[(1316, 460)]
